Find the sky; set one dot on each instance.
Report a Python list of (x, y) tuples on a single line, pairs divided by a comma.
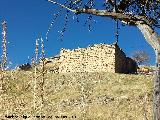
[(28, 20)]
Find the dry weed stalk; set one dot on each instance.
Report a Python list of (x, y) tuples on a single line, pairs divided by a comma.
[(36, 51), (3, 64), (83, 92), (34, 63), (43, 70), (4, 52), (4, 46), (39, 85)]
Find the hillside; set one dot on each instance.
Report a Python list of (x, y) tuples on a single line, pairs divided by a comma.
[(89, 96)]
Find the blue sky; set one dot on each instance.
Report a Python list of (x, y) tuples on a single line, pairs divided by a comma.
[(28, 20)]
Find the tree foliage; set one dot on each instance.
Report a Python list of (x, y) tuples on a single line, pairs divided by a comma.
[(149, 9)]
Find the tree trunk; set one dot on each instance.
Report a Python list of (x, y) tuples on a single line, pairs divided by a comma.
[(156, 92), (153, 39)]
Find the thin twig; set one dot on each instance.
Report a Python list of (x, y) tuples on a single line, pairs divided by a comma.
[(41, 73), (63, 6)]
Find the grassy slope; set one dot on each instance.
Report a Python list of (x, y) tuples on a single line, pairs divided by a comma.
[(106, 96)]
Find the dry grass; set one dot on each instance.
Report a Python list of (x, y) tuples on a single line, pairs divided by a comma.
[(105, 96)]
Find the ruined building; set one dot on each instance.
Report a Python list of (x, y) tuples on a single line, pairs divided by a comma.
[(95, 58)]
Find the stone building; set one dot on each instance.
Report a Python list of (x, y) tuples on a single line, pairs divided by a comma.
[(95, 58)]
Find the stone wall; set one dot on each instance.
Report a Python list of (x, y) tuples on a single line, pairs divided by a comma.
[(131, 66), (120, 60), (124, 64), (52, 64), (91, 59), (95, 58), (24, 67)]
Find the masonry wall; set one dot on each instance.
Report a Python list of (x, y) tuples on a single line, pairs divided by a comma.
[(52, 64), (96, 58), (124, 64), (131, 66), (120, 60)]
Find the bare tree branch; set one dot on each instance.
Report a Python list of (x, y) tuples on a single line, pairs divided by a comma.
[(141, 57), (127, 17), (142, 22), (150, 35), (63, 6)]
